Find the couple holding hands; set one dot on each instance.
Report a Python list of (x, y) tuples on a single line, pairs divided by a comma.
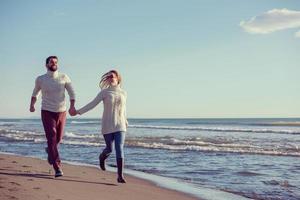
[(53, 84)]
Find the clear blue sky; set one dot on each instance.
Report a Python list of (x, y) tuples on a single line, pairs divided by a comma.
[(178, 58)]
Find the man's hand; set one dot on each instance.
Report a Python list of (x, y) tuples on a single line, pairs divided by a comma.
[(32, 102), (32, 109), (72, 111)]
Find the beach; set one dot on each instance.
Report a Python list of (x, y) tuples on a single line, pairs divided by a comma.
[(30, 178)]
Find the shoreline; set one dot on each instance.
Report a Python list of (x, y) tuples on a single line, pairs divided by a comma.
[(180, 189), (32, 178)]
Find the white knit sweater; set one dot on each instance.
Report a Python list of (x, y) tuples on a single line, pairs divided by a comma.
[(114, 114), (53, 85)]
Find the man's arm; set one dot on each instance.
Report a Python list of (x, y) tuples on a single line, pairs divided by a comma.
[(70, 90), (72, 110), (34, 95), (32, 102)]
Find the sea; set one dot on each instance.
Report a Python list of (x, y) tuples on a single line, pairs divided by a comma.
[(249, 158)]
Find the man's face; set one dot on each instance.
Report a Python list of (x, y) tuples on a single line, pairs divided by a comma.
[(52, 64)]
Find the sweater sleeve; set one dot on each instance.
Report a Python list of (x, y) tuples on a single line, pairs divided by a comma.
[(92, 104), (69, 88), (37, 88), (125, 110)]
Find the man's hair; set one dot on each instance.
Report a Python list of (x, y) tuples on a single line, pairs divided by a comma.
[(49, 58)]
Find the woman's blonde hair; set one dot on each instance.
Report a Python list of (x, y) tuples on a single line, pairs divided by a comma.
[(104, 83)]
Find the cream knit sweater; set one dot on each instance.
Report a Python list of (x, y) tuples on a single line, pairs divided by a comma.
[(114, 113)]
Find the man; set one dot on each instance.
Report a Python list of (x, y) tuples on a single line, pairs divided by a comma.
[(53, 85)]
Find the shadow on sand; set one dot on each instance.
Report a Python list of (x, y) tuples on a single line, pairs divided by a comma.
[(45, 176)]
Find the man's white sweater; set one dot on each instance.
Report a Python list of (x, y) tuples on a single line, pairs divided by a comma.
[(53, 85)]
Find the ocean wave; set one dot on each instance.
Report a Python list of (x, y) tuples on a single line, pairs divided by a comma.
[(217, 129), (73, 135), (18, 135), (82, 143), (85, 122), (24, 132), (214, 145), (216, 149), (13, 137), (169, 143)]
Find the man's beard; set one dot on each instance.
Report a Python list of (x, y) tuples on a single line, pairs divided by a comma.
[(52, 68)]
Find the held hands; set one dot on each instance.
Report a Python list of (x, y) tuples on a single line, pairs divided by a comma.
[(72, 111)]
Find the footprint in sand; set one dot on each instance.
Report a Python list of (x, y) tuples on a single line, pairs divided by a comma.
[(26, 166), (14, 189), (12, 197), (30, 179), (36, 188), (14, 183), (14, 161)]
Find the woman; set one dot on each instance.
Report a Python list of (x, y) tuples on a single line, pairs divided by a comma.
[(114, 122)]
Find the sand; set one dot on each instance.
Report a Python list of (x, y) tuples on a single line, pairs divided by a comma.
[(32, 179)]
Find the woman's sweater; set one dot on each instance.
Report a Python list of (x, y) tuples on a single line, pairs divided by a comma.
[(114, 113)]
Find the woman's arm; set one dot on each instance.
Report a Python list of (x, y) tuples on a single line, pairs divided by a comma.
[(92, 104)]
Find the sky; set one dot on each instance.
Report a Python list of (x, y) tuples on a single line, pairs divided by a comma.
[(178, 59)]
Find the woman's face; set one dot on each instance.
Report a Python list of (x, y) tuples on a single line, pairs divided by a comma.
[(113, 79)]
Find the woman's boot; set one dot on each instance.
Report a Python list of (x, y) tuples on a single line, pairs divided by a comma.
[(120, 164), (102, 159)]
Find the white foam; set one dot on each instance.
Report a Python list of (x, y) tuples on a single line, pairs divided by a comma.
[(219, 148), (220, 129), (97, 144), (73, 135), (84, 122)]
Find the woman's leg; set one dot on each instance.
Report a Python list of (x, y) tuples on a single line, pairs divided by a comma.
[(119, 143), (109, 138), (119, 146)]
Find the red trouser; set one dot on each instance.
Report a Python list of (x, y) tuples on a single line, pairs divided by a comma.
[(54, 123)]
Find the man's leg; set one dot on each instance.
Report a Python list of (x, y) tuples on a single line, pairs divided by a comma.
[(60, 125), (49, 123)]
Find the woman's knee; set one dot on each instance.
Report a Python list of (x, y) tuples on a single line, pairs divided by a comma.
[(107, 150)]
